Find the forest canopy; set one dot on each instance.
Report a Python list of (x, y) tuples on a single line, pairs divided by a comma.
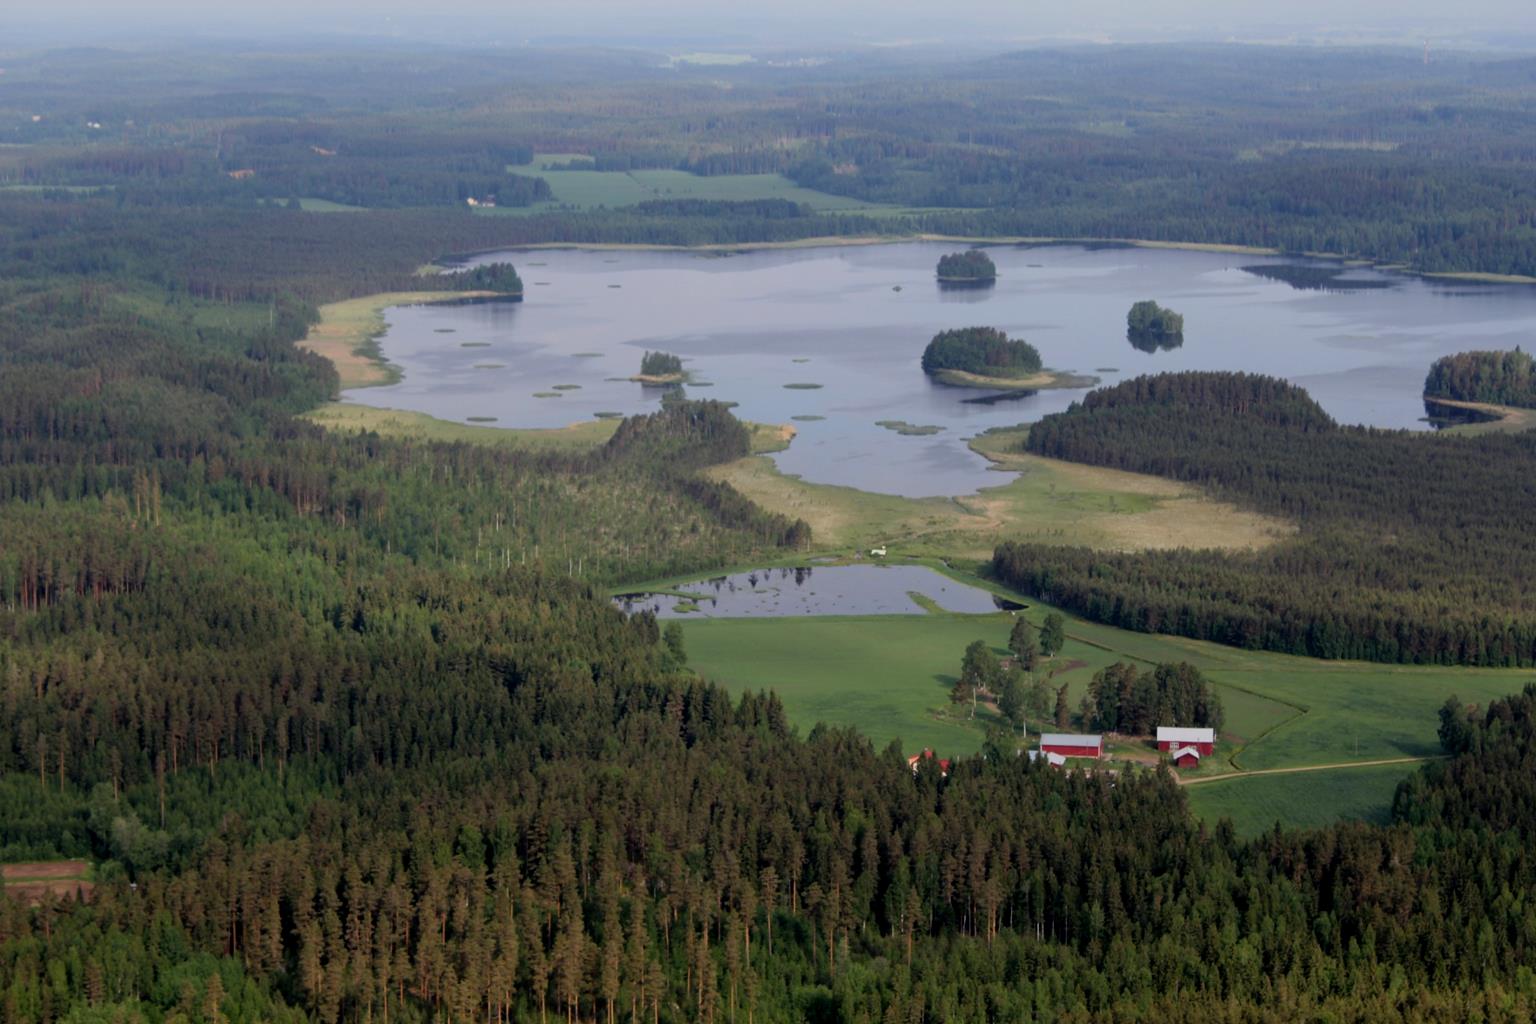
[(984, 351), (972, 266), (1385, 564), (1496, 378), (1150, 327)]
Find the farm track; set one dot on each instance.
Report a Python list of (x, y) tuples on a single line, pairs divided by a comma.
[(1306, 768)]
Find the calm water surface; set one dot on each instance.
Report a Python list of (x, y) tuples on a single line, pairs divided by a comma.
[(750, 324), (825, 590)]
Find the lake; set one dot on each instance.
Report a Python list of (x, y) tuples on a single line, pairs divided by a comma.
[(869, 589), (849, 325)]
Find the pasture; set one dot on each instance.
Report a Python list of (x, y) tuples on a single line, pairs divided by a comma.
[(588, 190), (889, 676), (1303, 800), (1048, 501)]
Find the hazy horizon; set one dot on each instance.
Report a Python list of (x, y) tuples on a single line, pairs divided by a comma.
[(791, 24)]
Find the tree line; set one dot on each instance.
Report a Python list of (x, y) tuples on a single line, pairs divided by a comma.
[(1387, 564)]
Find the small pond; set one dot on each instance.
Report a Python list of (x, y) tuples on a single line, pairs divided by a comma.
[(823, 590)]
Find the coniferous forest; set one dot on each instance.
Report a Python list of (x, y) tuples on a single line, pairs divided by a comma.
[(352, 732), (1375, 571)]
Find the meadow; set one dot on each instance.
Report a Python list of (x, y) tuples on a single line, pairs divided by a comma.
[(889, 677), (1047, 501), (1308, 800), (590, 190)]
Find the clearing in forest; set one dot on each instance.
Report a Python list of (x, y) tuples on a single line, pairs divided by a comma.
[(31, 882)]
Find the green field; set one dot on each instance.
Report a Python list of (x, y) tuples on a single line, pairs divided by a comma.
[(1303, 800), (889, 676), (586, 190)]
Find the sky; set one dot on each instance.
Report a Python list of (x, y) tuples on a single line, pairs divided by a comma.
[(781, 23)]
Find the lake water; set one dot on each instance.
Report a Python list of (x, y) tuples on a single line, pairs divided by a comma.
[(823, 590), (752, 323)]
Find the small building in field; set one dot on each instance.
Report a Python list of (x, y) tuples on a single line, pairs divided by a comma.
[(1051, 758), (1170, 738), (916, 760), (1185, 757), (878, 552), (1070, 745)]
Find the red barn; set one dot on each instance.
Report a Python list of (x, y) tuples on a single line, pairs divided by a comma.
[(1069, 745), (927, 755), (1170, 738), (1186, 757)]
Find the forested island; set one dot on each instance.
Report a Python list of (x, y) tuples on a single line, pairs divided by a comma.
[(1489, 378), (985, 357), (1150, 327), (972, 267), (660, 368), (500, 278)]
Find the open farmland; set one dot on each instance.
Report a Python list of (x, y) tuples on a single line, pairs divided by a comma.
[(587, 190), (889, 676)]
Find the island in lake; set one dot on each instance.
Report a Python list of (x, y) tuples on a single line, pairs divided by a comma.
[(1150, 327), (969, 268), (985, 357), (501, 278), (660, 368)]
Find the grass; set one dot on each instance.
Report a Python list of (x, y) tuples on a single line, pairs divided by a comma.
[(326, 206), (348, 332), (1042, 381), (1049, 501), (345, 416), (906, 429), (586, 190), (1317, 798), (889, 676), (1507, 419)]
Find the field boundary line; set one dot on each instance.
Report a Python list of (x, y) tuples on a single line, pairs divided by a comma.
[(1341, 766)]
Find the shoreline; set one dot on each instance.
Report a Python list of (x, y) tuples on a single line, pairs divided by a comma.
[(347, 333), (1045, 380), (1508, 419), (844, 241)]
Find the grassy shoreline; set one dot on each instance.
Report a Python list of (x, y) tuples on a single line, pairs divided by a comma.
[(1046, 380), (1506, 418), (348, 333)]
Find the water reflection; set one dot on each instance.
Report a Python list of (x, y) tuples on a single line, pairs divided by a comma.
[(825, 590)]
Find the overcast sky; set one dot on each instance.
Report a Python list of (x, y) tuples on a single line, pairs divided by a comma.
[(806, 23)]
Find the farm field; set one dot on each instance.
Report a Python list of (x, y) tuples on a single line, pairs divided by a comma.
[(587, 190), (32, 881), (1303, 800), (889, 677)]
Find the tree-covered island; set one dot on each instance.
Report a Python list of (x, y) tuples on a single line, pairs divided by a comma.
[(972, 267), (985, 357), (488, 277), (660, 368), (1150, 327)]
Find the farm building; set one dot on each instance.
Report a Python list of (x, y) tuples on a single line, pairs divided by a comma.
[(1068, 745), (1185, 757), (1053, 759), (927, 755), (1170, 738)]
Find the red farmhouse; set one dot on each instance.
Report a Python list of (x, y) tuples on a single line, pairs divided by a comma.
[(1068, 745), (1170, 739), (927, 755)]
